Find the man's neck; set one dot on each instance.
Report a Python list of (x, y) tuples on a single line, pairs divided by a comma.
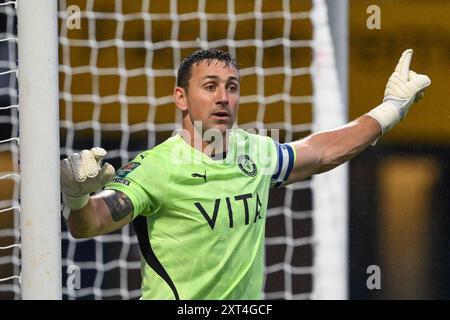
[(214, 149)]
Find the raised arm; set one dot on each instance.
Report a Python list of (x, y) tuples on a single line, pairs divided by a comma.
[(102, 213), (326, 150)]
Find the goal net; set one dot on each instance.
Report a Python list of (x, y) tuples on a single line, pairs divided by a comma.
[(9, 156), (118, 62)]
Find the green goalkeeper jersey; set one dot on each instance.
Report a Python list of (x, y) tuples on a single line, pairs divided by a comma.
[(200, 222)]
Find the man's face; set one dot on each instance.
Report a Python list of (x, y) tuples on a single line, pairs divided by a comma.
[(213, 95)]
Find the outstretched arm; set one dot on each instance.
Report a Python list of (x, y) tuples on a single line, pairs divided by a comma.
[(105, 212), (326, 150)]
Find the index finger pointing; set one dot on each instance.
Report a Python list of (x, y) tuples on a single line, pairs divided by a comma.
[(403, 64)]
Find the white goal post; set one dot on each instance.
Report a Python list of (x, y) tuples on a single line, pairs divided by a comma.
[(331, 263), (40, 220)]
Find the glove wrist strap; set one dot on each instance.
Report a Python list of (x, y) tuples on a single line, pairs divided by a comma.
[(387, 115)]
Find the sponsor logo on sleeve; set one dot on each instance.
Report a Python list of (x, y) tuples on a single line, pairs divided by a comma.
[(122, 181), (124, 171)]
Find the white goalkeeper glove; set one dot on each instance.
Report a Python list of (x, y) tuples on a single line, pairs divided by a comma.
[(81, 175), (403, 88)]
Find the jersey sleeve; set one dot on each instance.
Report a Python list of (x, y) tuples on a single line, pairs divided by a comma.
[(284, 156), (143, 181)]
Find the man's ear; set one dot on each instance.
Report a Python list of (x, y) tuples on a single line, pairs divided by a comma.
[(179, 95)]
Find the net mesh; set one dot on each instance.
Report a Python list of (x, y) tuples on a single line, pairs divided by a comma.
[(117, 72), (9, 155)]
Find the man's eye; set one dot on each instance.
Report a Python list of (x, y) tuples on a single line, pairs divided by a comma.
[(232, 88), (210, 87)]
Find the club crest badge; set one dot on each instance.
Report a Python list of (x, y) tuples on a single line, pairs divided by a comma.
[(247, 165)]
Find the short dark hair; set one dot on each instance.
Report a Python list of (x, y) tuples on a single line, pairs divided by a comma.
[(185, 70)]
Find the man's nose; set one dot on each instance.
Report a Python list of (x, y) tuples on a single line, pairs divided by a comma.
[(222, 97)]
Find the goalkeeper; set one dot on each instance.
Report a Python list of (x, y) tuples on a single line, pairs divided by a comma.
[(199, 204)]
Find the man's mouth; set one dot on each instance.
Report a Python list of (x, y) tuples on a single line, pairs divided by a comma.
[(221, 114)]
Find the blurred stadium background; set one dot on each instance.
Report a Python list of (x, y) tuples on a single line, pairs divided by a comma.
[(399, 192)]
